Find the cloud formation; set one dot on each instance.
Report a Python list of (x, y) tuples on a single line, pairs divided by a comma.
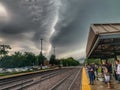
[(61, 23)]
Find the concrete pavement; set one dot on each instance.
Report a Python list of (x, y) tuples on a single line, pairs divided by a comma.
[(98, 85)]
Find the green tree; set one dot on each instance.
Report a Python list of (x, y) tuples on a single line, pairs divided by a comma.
[(41, 59), (52, 60), (5, 62), (69, 62), (30, 58), (18, 60), (15, 60), (92, 60), (4, 50)]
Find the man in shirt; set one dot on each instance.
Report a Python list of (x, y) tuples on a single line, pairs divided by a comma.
[(91, 74), (118, 70)]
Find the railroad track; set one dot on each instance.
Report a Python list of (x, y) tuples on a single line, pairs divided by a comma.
[(17, 78), (42, 79), (25, 82), (70, 82)]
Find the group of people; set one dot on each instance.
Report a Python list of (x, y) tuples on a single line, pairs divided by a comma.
[(106, 69)]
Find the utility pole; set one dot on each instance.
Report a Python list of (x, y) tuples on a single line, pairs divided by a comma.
[(41, 63), (54, 50), (41, 45)]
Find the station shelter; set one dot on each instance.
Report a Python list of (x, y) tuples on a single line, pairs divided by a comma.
[(103, 41)]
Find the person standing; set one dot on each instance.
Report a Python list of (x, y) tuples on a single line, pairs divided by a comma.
[(106, 76), (91, 74), (96, 71), (118, 70)]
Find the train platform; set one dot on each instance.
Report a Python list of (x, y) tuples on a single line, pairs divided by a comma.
[(102, 86), (98, 85)]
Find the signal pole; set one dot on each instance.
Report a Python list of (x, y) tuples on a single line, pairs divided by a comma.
[(41, 45)]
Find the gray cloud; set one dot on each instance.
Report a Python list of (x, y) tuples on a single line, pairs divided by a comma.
[(72, 30), (61, 23), (29, 16)]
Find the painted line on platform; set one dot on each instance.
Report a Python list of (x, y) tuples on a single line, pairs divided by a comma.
[(85, 80)]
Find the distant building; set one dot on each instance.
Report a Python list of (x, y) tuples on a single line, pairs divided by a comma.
[(46, 63)]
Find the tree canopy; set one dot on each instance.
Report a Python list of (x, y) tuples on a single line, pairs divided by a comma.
[(4, 49), (69, 62), (41, 59), (52, 60), (19, 59)]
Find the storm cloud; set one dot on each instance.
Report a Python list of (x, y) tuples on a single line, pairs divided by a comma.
[(61, 23)]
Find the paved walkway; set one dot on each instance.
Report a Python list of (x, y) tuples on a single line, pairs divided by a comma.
[(102, 86), (99, 85)]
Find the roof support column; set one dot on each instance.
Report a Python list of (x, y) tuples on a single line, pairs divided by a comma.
[(106, 60), (114, 51)]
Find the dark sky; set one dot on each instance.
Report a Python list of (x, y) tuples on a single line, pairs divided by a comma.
[(61, 23)]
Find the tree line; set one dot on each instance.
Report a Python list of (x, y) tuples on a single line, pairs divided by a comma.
[(19, 59), (69, 62)]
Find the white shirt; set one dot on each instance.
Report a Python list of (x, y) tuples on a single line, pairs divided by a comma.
[(118, 69)]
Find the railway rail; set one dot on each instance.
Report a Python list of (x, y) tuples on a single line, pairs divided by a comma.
[(69, 78), (70, 82), (21, 82)]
